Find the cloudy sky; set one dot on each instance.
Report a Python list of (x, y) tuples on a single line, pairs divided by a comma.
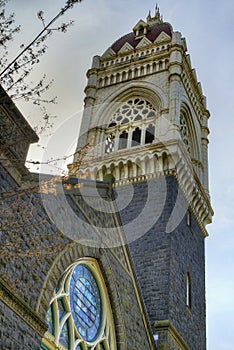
[(208, 27)]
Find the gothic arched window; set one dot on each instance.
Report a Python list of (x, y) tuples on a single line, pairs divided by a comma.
[(184, 131), (127, 120), (109, 144), (123, 140), (136, 137), (149, 134), (79, 316)]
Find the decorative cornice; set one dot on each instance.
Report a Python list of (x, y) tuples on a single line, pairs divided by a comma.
[(22, 309), (198, 201)]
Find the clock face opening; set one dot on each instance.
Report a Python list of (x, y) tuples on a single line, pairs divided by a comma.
[(85, 303)]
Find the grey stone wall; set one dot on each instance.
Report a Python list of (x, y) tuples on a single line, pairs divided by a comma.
[(35, 252), (14, 333), (162, 260)]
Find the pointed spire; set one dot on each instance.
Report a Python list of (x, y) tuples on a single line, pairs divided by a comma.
[(157, 12), (156, 8), (157, 19), (149, 16)]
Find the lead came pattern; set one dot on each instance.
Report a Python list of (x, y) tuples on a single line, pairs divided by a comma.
[(78, 319), (85, 302)]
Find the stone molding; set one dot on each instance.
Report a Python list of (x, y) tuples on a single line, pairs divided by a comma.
[(22, 309), (166, 325), (198, 204)]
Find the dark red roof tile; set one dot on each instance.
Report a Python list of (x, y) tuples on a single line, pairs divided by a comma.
[(152, 34)]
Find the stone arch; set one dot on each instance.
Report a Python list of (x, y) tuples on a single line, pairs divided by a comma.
[(68, 257), (114, 171), (112, 79), (121, 170), (146, 90), (124, 76), (106, 80), (95, 173), (130, 168), (139, 167), (185, 112), (104, 171), (148, 69), (147, 165), (130, 74), (101, 82), (165, 161), (136, 73)]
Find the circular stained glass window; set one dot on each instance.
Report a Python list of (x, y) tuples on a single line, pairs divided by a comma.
[(85, 303)]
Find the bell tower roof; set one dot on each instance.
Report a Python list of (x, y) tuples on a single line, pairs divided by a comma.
[(150, 29)]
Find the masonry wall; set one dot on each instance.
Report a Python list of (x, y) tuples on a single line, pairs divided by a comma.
[(35, 252), (162, 259), (14, 333)]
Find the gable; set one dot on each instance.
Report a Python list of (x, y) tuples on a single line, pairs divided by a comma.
[(109, 53), (144, 42), (162, 37), (139, 24), (126, 47)]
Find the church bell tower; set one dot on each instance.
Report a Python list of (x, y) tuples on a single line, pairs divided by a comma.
[(146, 120)]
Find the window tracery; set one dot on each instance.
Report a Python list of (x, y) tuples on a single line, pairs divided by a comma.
[(184, 132), (109, 144), (133, 110), (130, 114), (79, 316)]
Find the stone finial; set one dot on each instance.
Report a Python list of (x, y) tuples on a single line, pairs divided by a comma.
[(157, 19), (149, 16)]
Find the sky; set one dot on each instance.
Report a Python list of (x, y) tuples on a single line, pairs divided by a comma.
[(208, 27)]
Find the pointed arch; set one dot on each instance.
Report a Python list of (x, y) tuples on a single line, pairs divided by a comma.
[(188, 131), (123, 140), (136, 137), (149, 134)]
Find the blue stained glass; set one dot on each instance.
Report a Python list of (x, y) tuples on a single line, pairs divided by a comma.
[(61, 308), (85, 302), (64, 336), (78, 347), (49, 320)]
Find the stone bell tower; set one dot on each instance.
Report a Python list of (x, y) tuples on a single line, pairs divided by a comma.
[(146, 118)]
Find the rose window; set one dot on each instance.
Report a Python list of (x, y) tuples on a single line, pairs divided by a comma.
[(132, 111), (79, 316)]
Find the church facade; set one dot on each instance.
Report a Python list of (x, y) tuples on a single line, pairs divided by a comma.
[(117, 259)]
